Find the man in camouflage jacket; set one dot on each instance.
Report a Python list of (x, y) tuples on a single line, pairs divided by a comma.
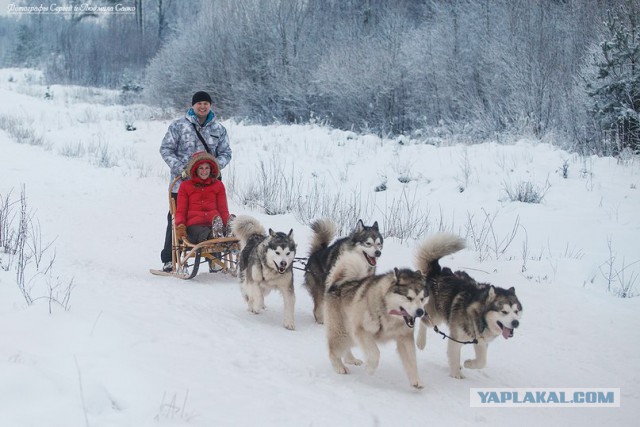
[(181, 141)]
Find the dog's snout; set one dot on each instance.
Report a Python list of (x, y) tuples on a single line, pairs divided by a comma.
[(378, 253), (515, 324), (419, 312), (283, 264)]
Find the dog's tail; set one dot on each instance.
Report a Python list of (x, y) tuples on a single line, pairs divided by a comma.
[(245, 226), (324, 230), (434, 248), (348, 267)]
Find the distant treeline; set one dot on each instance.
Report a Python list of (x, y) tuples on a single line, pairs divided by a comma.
[(475, 68)]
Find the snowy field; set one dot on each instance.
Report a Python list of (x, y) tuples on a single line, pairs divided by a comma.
[(139, 350)]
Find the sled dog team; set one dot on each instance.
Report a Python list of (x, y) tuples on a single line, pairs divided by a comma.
[(360, 308)]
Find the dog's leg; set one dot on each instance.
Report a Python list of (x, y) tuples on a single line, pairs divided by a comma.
[(243, 290), (371, 351), (338, 339), (255, 299), (339, 344), (317, 293), (407, 351), (422, 335), (481, 357), (289, 304), (453, 354)]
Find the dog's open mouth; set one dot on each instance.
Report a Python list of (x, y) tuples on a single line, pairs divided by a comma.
[(371, 260), (506, 332), (408, 319), (280, 268)]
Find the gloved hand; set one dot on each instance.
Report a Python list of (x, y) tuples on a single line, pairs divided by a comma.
[(184, 174), (181, 232)]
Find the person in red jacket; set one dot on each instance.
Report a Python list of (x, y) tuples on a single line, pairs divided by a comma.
[(202, 212)]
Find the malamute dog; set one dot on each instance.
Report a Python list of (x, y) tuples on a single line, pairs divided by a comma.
[(362, 310), (471, 310), (265, 264), (364, 240)]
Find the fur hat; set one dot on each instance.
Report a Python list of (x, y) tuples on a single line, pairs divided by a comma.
[(201, 157), (200, 96)]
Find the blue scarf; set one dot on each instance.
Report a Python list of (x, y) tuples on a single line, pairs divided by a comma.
[(210, 116)]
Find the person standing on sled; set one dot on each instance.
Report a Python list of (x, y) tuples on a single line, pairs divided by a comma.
[(196, 131), (202, 212)]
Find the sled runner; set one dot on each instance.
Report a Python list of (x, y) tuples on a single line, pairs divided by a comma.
[(219, 254)]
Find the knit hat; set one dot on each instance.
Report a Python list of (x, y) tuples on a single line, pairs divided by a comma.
[(199, 97)]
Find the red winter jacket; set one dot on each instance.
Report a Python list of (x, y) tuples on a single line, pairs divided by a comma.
[(200, 201)]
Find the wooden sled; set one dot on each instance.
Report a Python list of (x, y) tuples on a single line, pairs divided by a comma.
[(220, 255)]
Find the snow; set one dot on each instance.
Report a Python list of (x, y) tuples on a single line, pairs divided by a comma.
[(141, 350)]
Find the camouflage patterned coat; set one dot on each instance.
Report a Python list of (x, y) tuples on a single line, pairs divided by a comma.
[(181, 142)]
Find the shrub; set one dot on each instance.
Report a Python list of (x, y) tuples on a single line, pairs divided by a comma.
[(526, 191)]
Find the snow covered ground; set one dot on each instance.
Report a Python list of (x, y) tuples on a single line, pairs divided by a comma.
[(140, 350)]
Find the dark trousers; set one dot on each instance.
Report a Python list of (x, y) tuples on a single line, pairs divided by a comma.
[(198, 233), (165, 255)]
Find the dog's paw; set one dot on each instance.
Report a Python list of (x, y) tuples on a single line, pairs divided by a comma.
[(457, 375), (290, 326), (417, 385), (352, 360), (340, 369), (473, 364), (421, 343)]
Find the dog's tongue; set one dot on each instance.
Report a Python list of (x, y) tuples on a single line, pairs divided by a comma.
[(372, 260), (507, 333), (408, 319)]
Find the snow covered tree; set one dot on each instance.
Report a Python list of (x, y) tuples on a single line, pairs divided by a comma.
[(616, 89), (28, 49)]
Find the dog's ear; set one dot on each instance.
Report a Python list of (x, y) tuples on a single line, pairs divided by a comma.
[(291, 234), (512, 290), (375, 226), (492, 294), (359, 226), (396, 273), (272, 233)]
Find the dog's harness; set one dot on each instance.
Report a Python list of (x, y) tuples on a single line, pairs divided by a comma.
[(435, 328), (302, 261), (444, 336)]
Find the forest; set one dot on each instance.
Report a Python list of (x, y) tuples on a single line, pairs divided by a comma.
[(474, 70)]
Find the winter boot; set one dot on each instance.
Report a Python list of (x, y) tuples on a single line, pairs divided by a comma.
[(228, 231), (167, 267), (217, 228)]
